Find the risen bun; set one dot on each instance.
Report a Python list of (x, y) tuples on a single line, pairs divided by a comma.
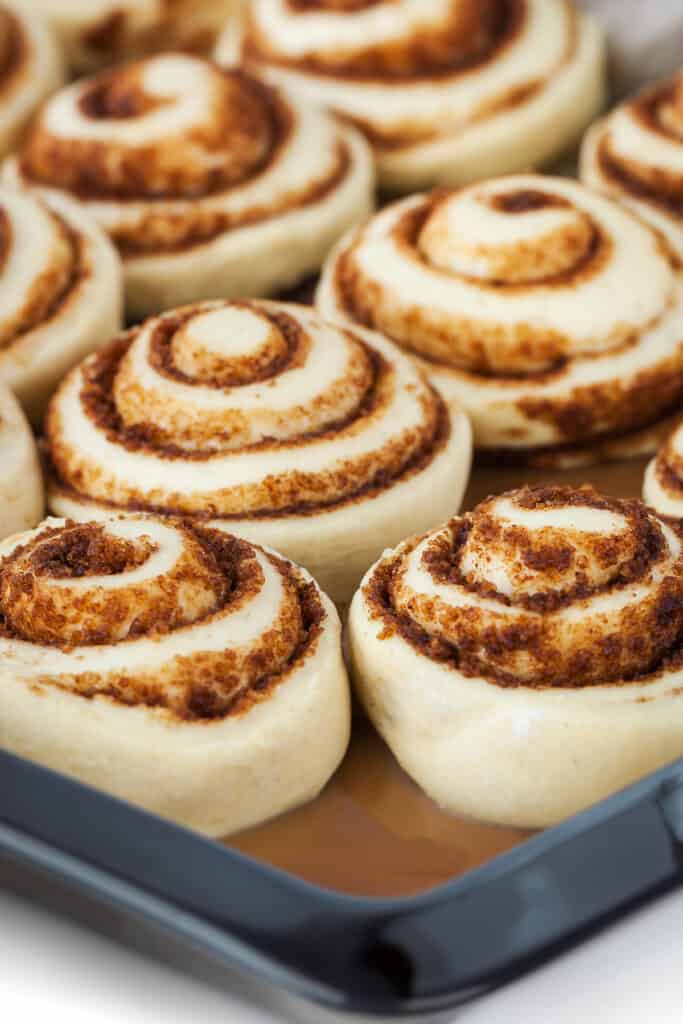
[(550, 313), (21, 480), (525, 660), (635, 154), (30, 68), (322, 443), (60, 292), (95, 33), (209, 182), (176, 667), (448, 91)]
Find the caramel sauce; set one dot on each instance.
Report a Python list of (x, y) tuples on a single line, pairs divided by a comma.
[(372, 832)]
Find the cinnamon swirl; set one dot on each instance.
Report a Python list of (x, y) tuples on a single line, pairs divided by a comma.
[(174, 666), (95, 33), (61, 293), (553, 315), (525, 660), (21, 480), (210, 183), (635, 154), (267, 422), (30, 68), (663, 485), (447, 91)]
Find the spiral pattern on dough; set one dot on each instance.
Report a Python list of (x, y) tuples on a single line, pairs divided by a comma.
[(265, 420), (447, 91), (548, 622), (105, 32), (543, 587), (209, 182), (165, 631), (663, 484), (635, 154), (30, 68), (550, 313), (59, 305)]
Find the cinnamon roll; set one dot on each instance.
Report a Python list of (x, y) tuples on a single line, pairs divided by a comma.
[(95, 33), (210, 183), (171, 665), (635, 154), (525, 660), (447, 91), (21, 480), (663, 485), (30, 68), (265, 421), (553, 315), (61, 293)]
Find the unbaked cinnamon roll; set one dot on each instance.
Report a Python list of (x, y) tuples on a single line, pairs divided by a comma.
[(447, 91), (266, 422), (553, 315), (635, 154), (61, 293), (30, 68), (525, 660), (210, 183), (21, 480), (171, 665), (95, 33)]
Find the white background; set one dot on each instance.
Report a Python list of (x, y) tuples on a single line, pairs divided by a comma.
[(57, 972)]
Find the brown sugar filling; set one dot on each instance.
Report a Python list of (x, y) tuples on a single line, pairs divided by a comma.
[(586, 414), (13, 54), (161, 357), (254, 111), (667, 475), (85, 551), (358, 295), (159, 230), (666, 191), (615, 171), (48, 298), (197, 227), (350, 281), (97, 398), (442, 561), (473, 35), (199, 688), (470, 38)]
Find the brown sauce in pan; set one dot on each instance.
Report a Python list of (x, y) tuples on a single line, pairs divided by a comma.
[(372, 832)]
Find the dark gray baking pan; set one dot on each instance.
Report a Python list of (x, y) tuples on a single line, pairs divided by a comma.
[(199, 904)]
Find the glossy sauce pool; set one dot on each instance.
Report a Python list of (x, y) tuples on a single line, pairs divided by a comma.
[(372, 832)]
